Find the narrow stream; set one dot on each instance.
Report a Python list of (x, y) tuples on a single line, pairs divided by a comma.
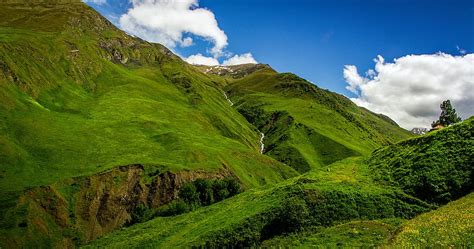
[(230, 102)]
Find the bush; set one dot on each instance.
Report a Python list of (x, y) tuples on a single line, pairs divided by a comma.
[(141, 213), (203, 192), (291, 217), (173, 208), (189, 194)]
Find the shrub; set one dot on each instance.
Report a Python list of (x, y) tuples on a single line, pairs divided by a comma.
[(173, 208), (189, 194), (141, 213)]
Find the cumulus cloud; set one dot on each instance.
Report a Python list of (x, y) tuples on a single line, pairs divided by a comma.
[(199, 59), (410, 89), (166, 21), (246, 58), (353, 78)]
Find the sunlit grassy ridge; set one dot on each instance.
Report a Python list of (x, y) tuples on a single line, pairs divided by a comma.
[(79, 97)]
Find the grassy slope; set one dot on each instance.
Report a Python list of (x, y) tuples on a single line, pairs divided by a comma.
[(347, 190), (437, 167), (69, 107), (78, 97), (354, 234), (344, 193), (451, 226), (324, 127)]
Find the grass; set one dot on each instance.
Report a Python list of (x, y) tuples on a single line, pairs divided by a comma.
[(436, 167), (79, 98), (69, 107), (318, 198), (313, 126), (79, 114), (359, 234), (344, 204), (450, 226)]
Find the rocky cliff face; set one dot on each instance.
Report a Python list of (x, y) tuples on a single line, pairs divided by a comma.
[(419, 131), (81, 209)]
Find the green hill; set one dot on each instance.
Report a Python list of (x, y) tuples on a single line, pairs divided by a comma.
[(100, 130), (80, 97), (318, 198), (345, 205), (307, 127), (437, 167)]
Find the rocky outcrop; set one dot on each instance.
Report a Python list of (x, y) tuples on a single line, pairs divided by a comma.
[(234, 71), (84, 208), (419, 131)]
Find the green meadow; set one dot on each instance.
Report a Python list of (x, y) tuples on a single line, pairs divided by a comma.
[(109, 141)]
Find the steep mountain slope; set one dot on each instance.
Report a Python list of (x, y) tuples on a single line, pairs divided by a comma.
[(81, 100), (80, 96), (305, 127)]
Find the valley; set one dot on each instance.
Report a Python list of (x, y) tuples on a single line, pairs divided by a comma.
[(110, 141)]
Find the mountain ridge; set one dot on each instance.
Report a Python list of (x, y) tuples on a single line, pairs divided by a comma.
[(93, 121)]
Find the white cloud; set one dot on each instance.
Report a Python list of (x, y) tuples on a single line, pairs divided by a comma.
[(165, 22), (95, 1), (410, 89), (188, 41), (353, 78), (461, 50), (199, 59), (240, 59)]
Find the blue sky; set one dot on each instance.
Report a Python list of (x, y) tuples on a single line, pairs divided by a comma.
[(316, 39)]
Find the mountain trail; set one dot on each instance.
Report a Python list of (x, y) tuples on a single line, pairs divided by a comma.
[(262, 145)]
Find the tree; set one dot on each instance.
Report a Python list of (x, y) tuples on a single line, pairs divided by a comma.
[(189, 194), (448, 115)]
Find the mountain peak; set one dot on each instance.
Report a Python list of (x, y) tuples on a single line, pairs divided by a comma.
[(233, 71)]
